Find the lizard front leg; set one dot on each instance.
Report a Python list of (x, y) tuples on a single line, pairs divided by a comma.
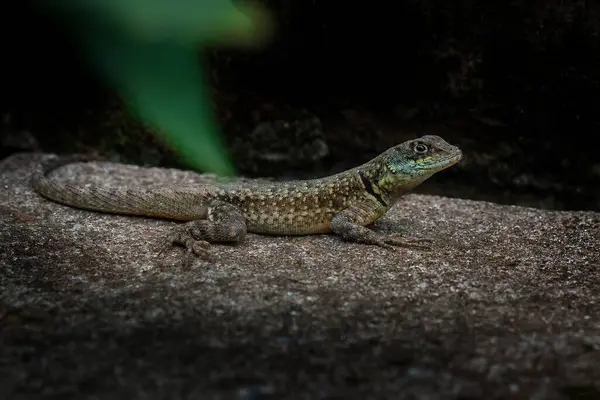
[(350, 225), (224, 223)]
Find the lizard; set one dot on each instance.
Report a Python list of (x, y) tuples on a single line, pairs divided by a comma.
[(344, 204)]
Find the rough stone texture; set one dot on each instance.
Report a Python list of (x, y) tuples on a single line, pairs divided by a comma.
[(505, 306)]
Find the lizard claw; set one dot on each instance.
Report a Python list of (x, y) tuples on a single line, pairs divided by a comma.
[(397, 235), (397, 240)]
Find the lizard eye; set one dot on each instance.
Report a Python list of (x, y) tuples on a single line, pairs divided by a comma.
[(420, 148)]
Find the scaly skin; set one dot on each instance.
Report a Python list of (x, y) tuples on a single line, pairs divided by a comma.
[(344, 203)]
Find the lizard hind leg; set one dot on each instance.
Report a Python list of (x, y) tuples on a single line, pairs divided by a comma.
[(349, 224), (225, 223)]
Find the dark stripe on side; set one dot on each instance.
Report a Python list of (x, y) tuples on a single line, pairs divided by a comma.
[(369, 188)]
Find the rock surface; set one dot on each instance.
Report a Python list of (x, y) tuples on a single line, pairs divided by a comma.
[(505, 306)]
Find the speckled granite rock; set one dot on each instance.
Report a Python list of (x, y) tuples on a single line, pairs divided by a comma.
[(505, 306)]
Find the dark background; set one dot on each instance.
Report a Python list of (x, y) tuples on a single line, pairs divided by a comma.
[(514, 84)]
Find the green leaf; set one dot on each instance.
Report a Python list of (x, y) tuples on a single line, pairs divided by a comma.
[(149, 50)]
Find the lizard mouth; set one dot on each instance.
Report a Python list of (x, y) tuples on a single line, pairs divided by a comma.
[(447, 162), (455, 158)]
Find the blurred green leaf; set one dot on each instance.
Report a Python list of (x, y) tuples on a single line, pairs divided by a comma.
[(149, 50), (196, 22)]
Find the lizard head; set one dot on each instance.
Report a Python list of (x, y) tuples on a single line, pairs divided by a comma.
[(410, 163)]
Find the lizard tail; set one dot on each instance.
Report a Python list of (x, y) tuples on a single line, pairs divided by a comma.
[(170, 203)]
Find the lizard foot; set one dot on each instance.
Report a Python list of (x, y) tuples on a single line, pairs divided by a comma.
[(200, 248), (398, 240)]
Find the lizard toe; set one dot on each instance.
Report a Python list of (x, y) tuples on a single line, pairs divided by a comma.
[(401, 236), (200, 248), (396, 240)]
